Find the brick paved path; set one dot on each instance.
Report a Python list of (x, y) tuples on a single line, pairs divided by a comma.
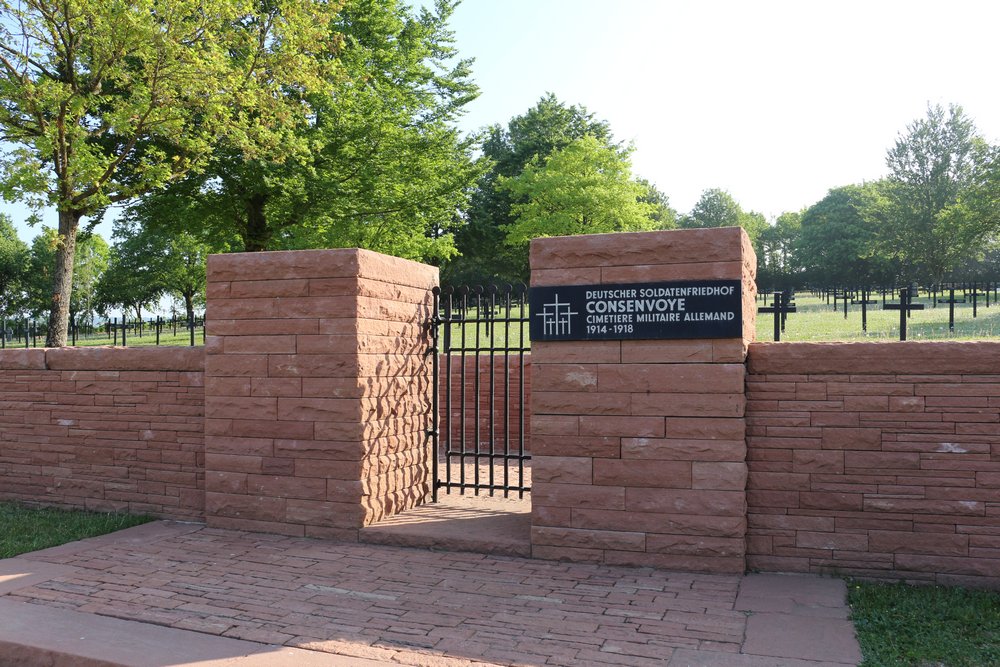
[(399, 604)]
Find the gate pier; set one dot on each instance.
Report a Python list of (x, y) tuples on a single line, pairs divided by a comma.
[(317, 390), (639, 452)]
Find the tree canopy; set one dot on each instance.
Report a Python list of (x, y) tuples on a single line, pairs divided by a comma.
[(931, 171), (381, 165), (103, 101), (585, 187), (506, 151)]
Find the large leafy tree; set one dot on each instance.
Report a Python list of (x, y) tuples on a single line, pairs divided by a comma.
[(546, 127), (717, 208), (583, 188), (90, 260), (839, 244), (932, 168), (182, 270), (102, 101), (13, 268), (381, 167), (147, 264), (663, 214), (131, 281), (777, 266)]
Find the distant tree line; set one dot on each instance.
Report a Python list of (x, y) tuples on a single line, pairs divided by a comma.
[(934, 217)]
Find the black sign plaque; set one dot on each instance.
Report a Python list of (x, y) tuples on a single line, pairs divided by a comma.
[(637, 311)]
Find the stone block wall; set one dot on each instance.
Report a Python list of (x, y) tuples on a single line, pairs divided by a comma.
[(317, 379), (106, 429), (639, 451), (875, 459)]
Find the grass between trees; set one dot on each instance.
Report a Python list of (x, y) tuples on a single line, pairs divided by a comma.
[(24, 529)]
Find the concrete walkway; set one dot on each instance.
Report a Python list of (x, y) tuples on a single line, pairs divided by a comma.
[(175, 594)]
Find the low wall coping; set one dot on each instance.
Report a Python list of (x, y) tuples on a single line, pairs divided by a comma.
[(104, 358), (880, 358)]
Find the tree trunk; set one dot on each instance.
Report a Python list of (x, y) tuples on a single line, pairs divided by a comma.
[(62, 279), (189, 306), (257, 234)]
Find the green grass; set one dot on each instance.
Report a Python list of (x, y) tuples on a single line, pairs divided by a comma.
[(815, 320), (167, 338), (24, 529), (925, 625)]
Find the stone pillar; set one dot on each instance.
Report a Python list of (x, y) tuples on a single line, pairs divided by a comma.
[(639, 452), (317, 391)]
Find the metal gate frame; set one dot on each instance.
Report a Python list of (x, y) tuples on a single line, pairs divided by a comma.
[(478, 313)]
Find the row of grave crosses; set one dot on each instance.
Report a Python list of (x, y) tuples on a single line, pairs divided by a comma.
[(781, 303)]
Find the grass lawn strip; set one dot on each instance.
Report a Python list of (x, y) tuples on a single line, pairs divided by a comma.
[(24, 529), (927, 626)]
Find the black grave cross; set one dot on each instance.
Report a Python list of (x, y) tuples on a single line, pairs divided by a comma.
[(781, 305), (864, 301), (904, 307), (951, 301), (974, 294)]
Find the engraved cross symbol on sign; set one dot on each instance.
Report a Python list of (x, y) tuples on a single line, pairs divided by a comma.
[(557, 318)]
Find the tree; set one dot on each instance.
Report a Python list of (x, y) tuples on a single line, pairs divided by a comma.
[(584, 188), (182, 270), (840, 244), (717, 208), (102, 101), (777, 267), (663, 214), (932, 167), (382, 168), (507, 150), (146, 264), (13, 268), (131, 281), (90, 259)]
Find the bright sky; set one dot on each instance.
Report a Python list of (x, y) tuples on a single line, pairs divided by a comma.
[(775, 102)]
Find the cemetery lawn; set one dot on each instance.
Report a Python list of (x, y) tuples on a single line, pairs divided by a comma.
[(815, 320), (24, 529), (942, 626)]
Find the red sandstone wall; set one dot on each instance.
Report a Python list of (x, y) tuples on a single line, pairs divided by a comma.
[(104, 429), (317, 390), (506, 372), (639, 452), (876, 459)]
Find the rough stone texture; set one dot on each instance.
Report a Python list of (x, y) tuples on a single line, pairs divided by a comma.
[(875, 459), (638, 446), (317, 390), (107, 429)]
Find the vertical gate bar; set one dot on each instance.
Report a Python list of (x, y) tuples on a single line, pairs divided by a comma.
[(508, 292), (462, 397), (447, 388), (477, 386), (520, 388), (492, 387), (435, 408)]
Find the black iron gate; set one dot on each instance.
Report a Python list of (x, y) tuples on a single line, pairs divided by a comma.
[(479, 339)]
